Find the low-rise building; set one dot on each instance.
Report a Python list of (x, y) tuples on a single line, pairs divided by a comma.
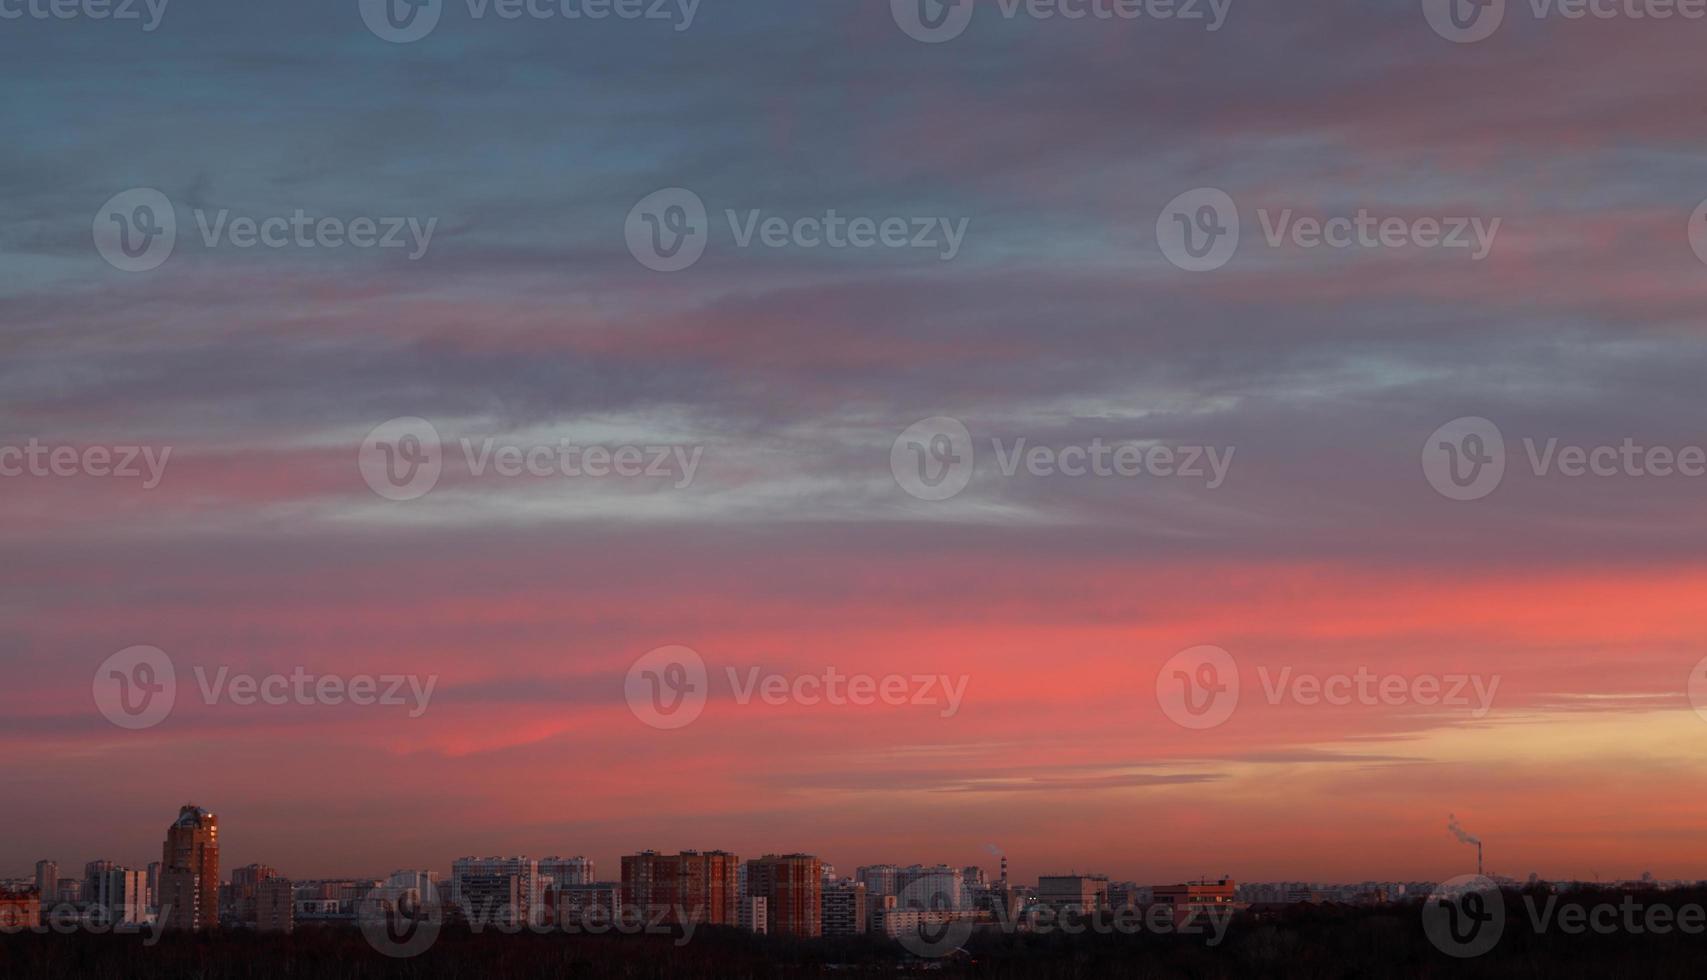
[(1073, 893)]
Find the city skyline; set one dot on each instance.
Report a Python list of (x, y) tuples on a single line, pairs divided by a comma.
[(1148, 444), (1468, 846)]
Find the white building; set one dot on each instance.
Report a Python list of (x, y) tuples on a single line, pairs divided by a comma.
[(120, 894)]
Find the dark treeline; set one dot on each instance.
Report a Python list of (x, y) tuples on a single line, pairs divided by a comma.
[(1297, 941)]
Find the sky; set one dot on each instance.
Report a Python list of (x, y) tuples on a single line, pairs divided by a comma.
[(1058, 154)]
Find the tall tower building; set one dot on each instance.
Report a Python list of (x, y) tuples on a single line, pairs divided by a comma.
[(47, 881), (94, 879), (189, 871), (791, 885)]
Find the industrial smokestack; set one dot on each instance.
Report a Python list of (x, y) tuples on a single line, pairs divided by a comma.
[(1464, 837)]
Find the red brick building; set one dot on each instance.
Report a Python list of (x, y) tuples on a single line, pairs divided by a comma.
[(703, 883), (189, 871), (791, 885), (19, 910)]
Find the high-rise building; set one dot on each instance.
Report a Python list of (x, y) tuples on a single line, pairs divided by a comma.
[(117, 895), (93, 873), (842, 908), (275, 908), (700, 885), (754, 917), (245, 891), (529, 902), (413, 886), (791, 886), (154, 884), (567, 870), (189, 871), (937, 886), (47, 881), (879, 879)]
